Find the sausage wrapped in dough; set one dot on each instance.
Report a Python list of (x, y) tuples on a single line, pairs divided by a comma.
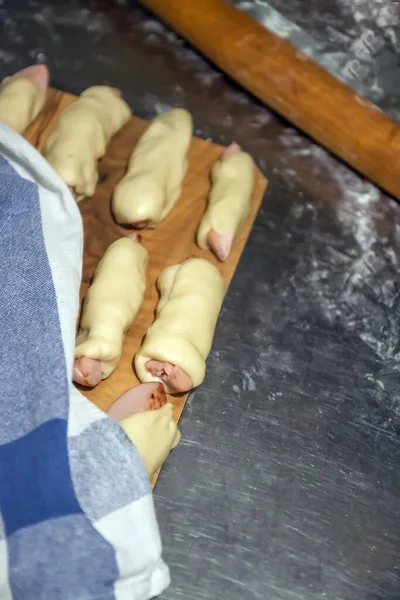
[(154, 434), (82, 134), (22, 97), (177, 344), (229, 201), (110, 306), (147, 419), (153, 181)]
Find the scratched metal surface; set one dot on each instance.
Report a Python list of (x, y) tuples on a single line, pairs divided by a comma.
[(356, 40), (286, 484)]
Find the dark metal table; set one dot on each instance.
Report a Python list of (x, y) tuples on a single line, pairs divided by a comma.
[(286, 484)]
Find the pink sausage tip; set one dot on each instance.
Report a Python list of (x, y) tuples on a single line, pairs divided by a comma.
[(170, 374), (38, 74), (87, 371), (141, 224), (234, 148), (140, 398), (220, 244), (135, 236)]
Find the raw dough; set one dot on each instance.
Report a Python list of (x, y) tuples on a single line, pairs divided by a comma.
[(191, 297), (22, 97), (229, 201), (154, 434), (153, 181), (82, 134), (112, 302)]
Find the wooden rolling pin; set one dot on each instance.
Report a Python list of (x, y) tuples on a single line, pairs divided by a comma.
[(292, 84)]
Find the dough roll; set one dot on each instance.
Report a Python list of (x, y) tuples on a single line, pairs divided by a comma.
[(229, 201), (147, 419), (177, 344), (153, 181), (81, 136), (110, 306), (22, 97), (154, 433)]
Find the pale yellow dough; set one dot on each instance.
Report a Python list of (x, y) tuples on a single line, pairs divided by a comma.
[(154, 434), (153, 181), (21, 101), (229, 199), (191, 295), (112, 302), (82, 134)]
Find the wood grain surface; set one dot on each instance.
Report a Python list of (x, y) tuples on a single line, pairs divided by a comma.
[(171, 242), (292, 84)]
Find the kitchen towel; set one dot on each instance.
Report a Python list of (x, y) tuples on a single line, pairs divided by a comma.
[(77, 519)]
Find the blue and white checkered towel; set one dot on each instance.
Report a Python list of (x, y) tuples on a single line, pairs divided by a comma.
[(77, 519)]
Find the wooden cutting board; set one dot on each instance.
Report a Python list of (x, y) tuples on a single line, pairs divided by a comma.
[(170, 243)]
